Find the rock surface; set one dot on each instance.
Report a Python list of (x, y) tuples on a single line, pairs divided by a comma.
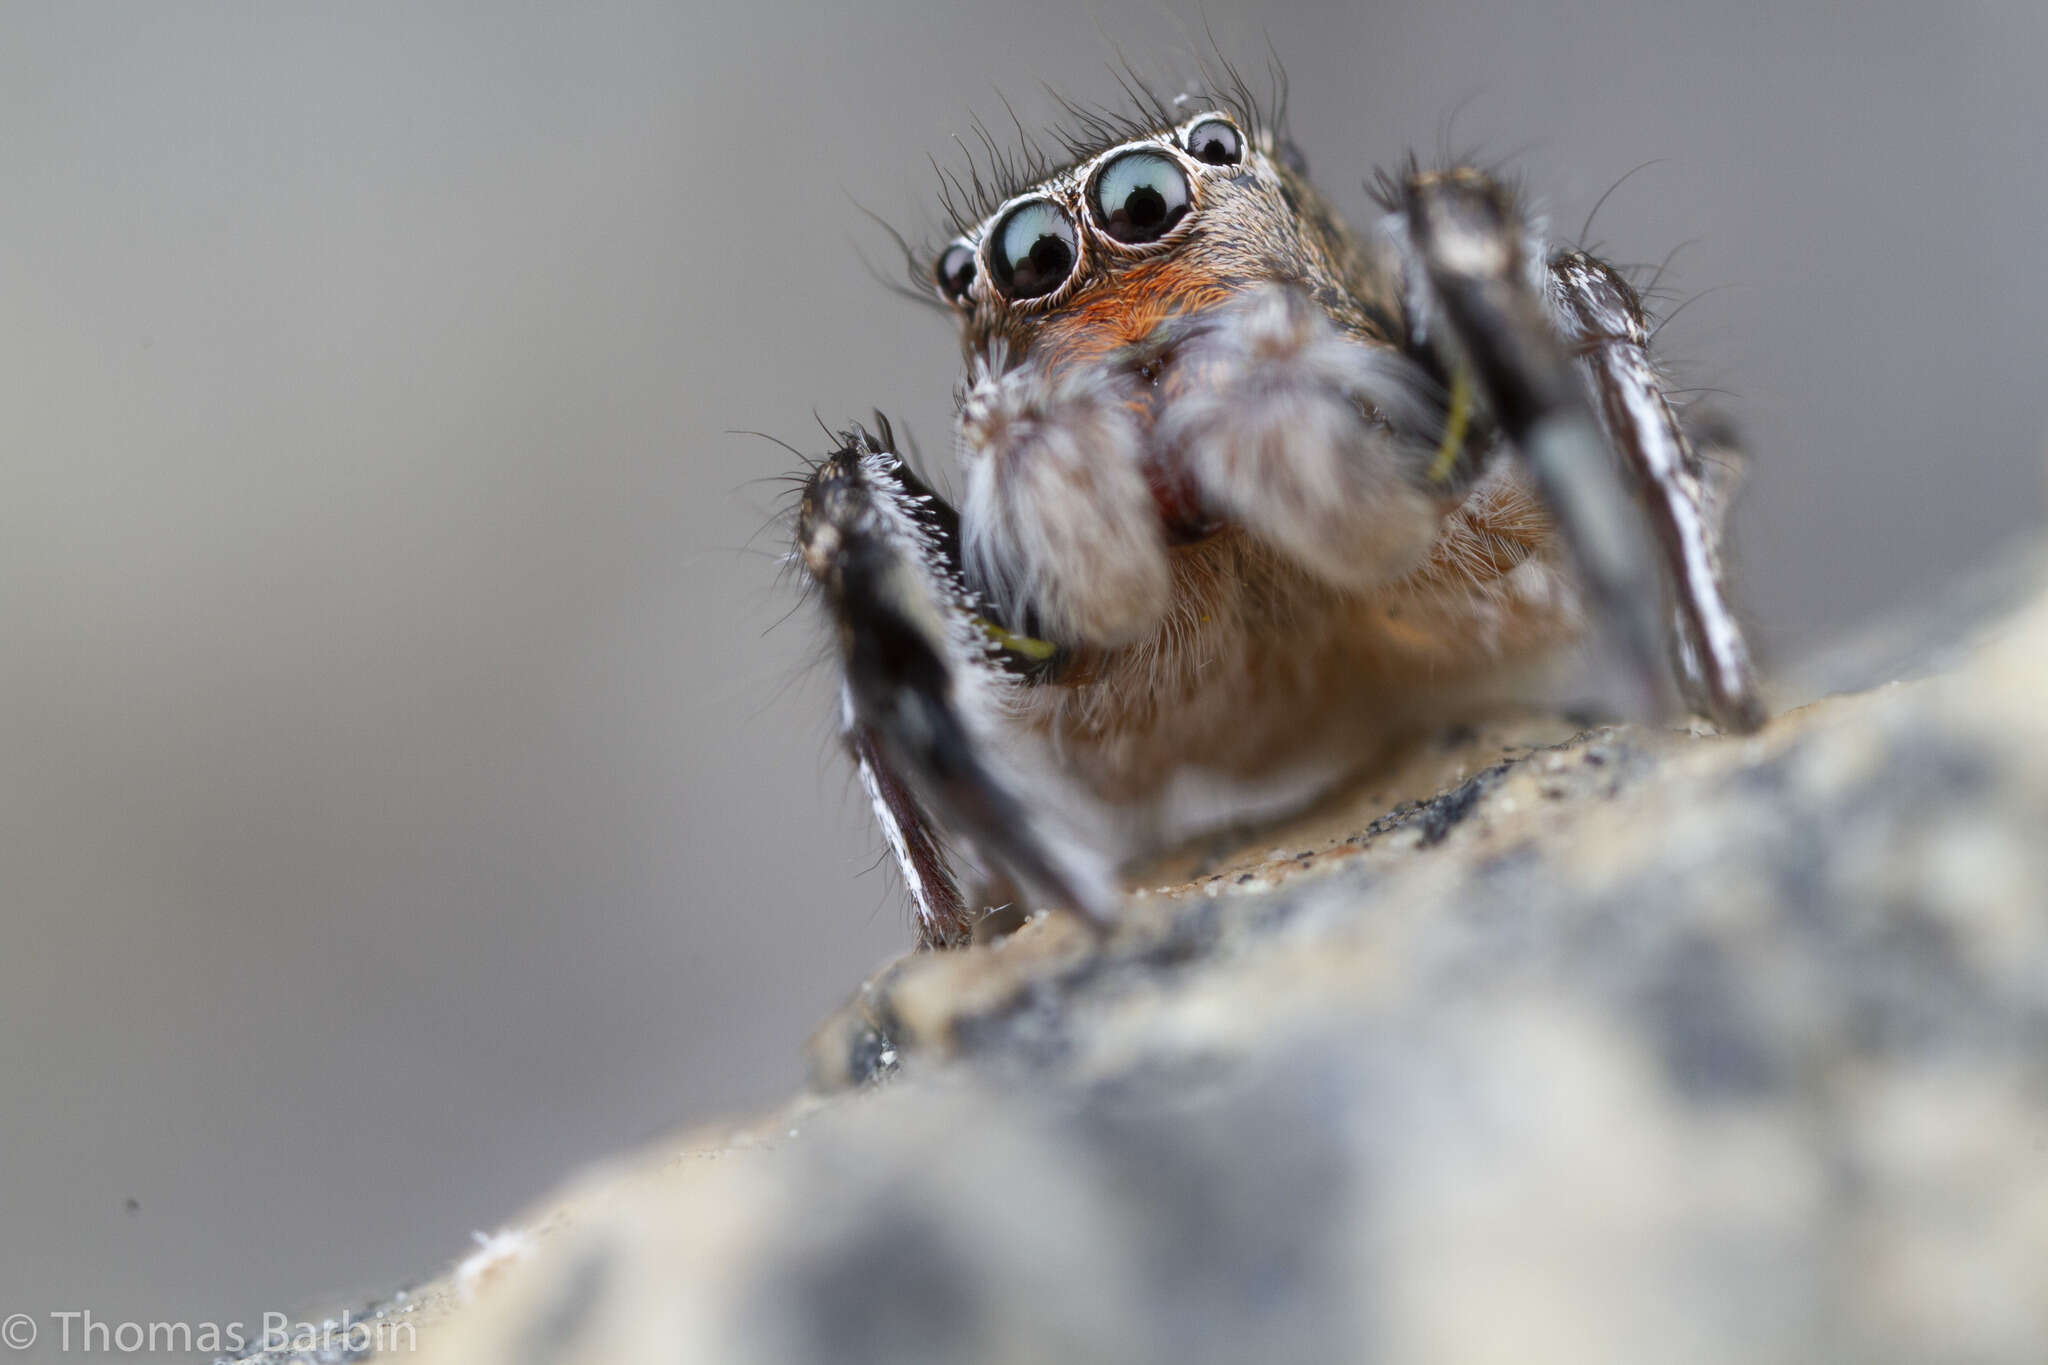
[(1619, 1046)]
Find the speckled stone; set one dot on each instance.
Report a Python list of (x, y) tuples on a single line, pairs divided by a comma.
[(1616, 1046)]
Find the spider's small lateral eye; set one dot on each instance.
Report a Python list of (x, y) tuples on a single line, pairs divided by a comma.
[(1139, 196), (954, 270), (1215, 141), (1033, 249)]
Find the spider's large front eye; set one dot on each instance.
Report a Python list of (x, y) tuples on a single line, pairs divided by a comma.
[(954, 270), (1215, 141), (1032, 251), (1140, 196)]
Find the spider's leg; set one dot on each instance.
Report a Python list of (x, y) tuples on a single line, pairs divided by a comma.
[(1599, 311), (1474, 300), (922, 681)]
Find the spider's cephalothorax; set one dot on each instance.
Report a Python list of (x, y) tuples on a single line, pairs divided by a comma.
[(1247, 502)]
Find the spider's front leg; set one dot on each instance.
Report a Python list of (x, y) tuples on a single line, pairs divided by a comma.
[(1543, 345), (1604, 318), (922, 684)]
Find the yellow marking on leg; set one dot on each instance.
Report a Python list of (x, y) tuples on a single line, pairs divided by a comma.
[(1038, 651), (1456, 423)]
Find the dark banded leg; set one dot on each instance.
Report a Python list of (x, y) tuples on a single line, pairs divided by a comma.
[(918, 668), (1480, 309), (1601, 313)]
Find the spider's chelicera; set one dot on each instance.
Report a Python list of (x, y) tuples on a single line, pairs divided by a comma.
[(1248, 501)]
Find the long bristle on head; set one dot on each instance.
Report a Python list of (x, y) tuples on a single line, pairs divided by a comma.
[(993, 167)]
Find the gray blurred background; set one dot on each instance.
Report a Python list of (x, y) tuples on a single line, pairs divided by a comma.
[(406, 791)]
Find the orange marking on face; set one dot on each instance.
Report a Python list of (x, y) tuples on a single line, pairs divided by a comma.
[(1124, 310)]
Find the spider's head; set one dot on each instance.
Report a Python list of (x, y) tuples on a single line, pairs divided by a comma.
[(1101, 260), (1132, 324)]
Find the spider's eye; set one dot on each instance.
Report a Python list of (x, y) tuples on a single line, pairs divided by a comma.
[(1140, 196), (954, 270), (1214, 140), (1032, 250)]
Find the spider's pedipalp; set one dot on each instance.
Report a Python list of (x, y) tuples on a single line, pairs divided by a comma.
[(920, 680), (1294, 431), (1060, 533)]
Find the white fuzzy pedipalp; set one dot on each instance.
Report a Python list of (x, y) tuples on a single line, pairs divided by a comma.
[(1277, 435), (1059, 525)]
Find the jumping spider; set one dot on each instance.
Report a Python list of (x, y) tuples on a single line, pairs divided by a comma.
[(1249, 500)]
